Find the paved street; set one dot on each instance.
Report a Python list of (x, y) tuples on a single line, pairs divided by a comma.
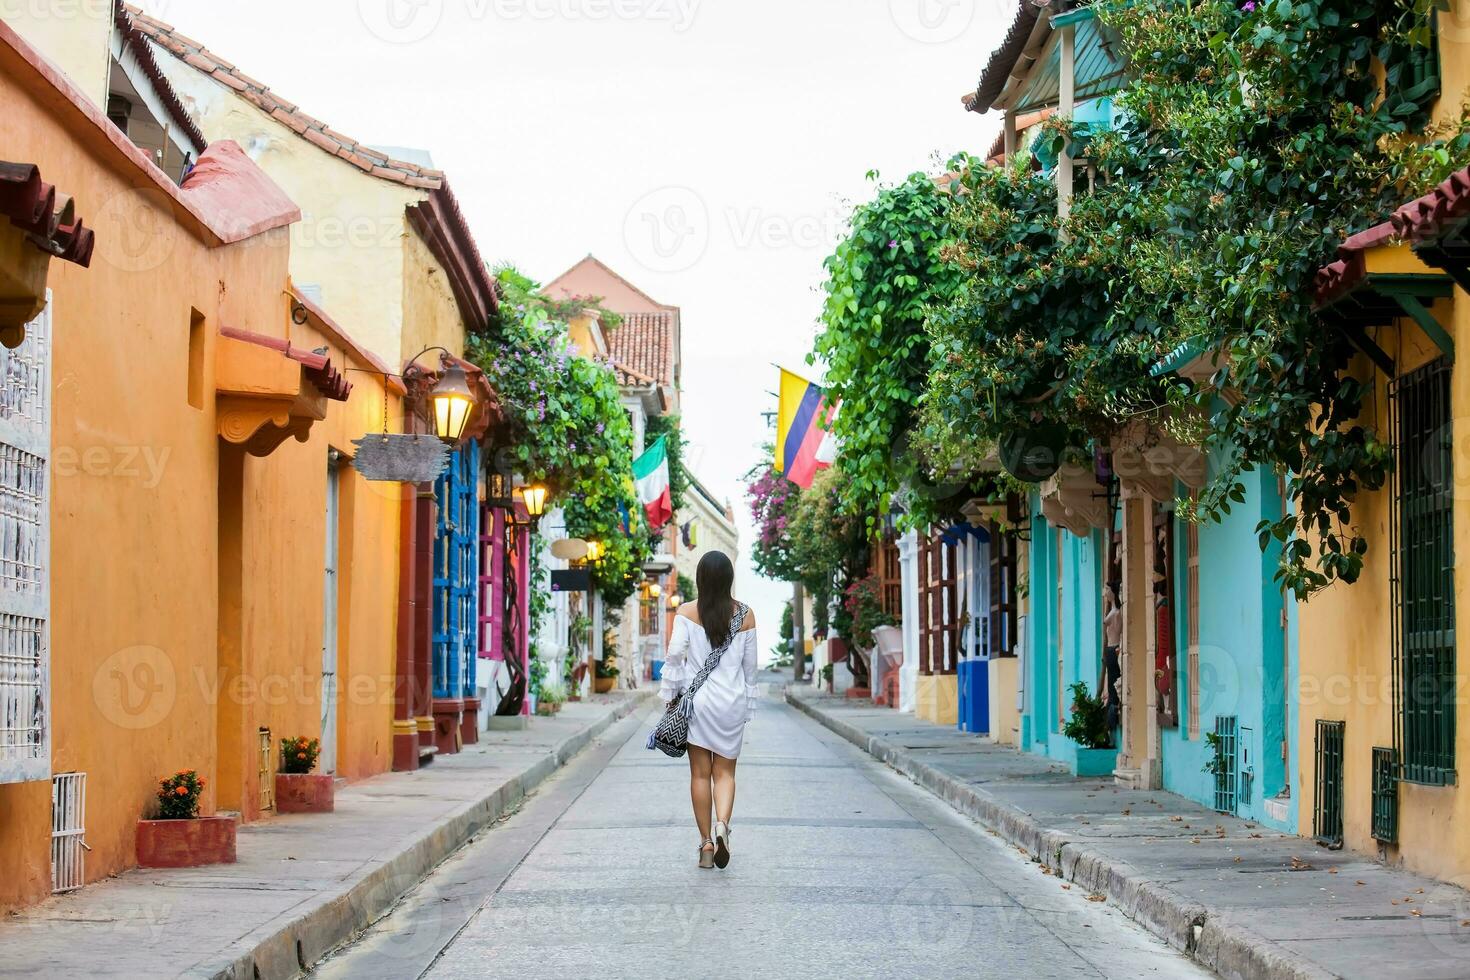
[(840, 868)]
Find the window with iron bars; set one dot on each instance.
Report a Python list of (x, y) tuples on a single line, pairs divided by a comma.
[(1327, 815), (1423, 575), (1385, 795), (1227, 729)]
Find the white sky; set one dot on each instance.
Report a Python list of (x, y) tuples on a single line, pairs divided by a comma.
[(706, 149)]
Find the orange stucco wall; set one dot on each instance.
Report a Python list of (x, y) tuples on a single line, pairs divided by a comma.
[(135, 536)]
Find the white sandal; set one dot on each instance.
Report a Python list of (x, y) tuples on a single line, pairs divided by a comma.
[(722, 844), (706, 858)]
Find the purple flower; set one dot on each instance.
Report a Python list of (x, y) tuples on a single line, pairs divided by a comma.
[(1249, 6), (893, 243)]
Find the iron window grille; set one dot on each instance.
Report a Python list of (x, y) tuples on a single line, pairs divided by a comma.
[(1227, 728), (1327, 814), (1422, 575), (68, 831), (1385, 795)]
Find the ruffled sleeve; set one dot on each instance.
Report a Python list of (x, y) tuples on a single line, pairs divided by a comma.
[(752, 690), (676, 661)]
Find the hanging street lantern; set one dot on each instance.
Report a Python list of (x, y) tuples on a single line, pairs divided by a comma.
[(453, 403), (534, 497), (595, 552)]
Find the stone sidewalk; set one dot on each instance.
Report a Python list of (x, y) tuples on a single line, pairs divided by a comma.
[(303, 883), (1240, 899)]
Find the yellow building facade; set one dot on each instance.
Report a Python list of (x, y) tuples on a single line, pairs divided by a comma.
[(1381, 666)]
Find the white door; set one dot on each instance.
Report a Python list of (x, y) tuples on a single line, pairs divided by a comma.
[(328, 758)]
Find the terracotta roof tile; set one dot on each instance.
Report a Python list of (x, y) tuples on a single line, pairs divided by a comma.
[(643, 348), (193, 53), (33, 206)]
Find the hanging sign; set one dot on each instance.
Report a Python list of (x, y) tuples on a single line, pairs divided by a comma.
[(571, 580), (393, 457)]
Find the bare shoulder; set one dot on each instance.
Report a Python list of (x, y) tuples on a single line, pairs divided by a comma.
[(749, 622), (690, 611)]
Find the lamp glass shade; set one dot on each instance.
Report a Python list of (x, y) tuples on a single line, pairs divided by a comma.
[(453, 403), (534, 498), (675, 601), (654, 590)]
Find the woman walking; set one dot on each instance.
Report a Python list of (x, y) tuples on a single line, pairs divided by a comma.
[(705, 630)]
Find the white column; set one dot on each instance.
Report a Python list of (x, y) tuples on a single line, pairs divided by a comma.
[(908, 676), (1066, 105)]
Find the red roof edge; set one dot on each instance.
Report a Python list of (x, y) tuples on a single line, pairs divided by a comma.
[(441, 224), (243, 201), (1423, 219), (318, 367)]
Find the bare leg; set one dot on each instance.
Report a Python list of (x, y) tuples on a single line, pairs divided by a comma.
[(699, 788), (724, 770)]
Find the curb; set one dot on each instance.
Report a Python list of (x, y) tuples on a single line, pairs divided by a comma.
[(290, 950), (1207, 937)]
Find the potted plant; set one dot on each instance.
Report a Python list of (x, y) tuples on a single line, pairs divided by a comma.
[(179, 837), (1091, 740), (550, 700), (298, 789), (827, 676), (607, 674)]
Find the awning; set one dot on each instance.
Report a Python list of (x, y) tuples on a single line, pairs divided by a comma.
[(267, 390), (1374, 280)]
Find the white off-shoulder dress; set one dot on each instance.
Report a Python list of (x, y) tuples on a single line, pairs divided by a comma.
[(724, 705)]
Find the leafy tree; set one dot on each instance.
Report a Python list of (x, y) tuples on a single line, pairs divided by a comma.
[(1255, 137)]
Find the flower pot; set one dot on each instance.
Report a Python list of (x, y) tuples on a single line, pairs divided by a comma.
[(602, 685), (544, 710), (186, 843), (305, 792), (1094, 762)]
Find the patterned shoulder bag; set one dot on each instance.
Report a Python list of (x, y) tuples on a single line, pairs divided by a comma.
[(671, 736)]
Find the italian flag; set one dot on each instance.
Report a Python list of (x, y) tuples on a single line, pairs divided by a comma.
[(651, 472)]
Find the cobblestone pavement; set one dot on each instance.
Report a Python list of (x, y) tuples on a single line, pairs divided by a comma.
[(840, 869)]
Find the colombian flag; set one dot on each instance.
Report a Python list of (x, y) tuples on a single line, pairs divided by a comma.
[(803, 442)]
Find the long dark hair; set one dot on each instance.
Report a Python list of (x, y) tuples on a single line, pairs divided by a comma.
[(714, 578)]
